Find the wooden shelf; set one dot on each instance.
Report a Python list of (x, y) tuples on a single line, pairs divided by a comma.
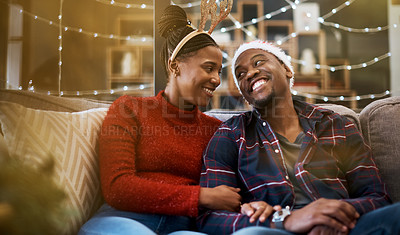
[(339, 79), (308, 78), (130, 63), (253, 6)]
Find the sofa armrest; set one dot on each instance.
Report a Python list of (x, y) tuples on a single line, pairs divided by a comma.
[(49, 102), (381, 129)]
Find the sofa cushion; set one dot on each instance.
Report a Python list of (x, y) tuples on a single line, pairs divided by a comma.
[(70, 138), (381, 129), (3, 148)]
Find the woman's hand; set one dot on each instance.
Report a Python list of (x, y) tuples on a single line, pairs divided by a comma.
[(258, 210), (220, 198)]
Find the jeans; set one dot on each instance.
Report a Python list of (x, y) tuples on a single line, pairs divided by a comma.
[(257, 230), (109, 221), (383, 221)]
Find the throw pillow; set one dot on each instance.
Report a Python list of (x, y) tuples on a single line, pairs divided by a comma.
[(71, 139)]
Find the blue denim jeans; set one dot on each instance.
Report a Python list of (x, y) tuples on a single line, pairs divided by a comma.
[(109, 221), (383, 221)]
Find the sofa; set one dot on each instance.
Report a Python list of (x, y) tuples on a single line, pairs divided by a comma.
[(35, 125)]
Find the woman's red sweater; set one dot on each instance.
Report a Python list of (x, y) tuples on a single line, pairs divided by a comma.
[(150, 155)]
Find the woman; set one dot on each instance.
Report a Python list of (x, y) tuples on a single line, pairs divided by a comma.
[(150, 148)]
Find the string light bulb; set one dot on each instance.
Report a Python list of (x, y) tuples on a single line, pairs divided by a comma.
[(125, 5), (267, 16)]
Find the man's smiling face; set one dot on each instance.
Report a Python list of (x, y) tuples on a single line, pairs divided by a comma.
[(261, 77)]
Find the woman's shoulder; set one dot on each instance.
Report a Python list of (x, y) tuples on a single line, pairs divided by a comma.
[(131, 105), (131, 101), (210, 119)]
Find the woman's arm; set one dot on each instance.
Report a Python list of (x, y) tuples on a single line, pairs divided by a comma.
[(122, 185)]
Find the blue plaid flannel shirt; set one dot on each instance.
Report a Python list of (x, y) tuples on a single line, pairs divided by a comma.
[(334, 163)]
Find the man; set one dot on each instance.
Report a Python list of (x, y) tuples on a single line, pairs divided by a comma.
[(289, 154)]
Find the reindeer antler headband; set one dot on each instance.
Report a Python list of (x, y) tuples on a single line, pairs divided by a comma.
[(208, 7)]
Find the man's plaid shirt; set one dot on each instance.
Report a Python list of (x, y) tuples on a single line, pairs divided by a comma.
[(334, 163)]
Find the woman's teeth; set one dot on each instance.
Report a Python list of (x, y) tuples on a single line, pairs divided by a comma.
[(208, 91)]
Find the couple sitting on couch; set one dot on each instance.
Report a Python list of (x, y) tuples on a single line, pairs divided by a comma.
[(286, 167)]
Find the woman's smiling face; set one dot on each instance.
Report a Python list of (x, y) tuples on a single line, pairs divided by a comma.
[(199, 76)]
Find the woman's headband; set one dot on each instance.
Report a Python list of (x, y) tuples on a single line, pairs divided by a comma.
[(208, 7)]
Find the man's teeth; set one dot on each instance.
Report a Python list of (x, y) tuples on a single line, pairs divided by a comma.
[(258, 84), (208, 91)]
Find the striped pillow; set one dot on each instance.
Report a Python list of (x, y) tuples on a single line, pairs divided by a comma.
[(71, 138)]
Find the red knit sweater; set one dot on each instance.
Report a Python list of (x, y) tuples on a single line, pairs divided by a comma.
[(150, 156)]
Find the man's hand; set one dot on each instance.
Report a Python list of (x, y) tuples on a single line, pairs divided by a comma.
[(325, 230), (220, 198), (338, 215), (258, 210)]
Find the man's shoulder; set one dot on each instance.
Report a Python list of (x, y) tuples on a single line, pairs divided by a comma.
[(318, 111), (329, 118), (237, 120)]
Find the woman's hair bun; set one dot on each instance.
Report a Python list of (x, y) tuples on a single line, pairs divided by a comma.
[(172, 18)]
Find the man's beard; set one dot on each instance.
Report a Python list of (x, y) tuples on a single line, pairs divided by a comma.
[(265, 102)]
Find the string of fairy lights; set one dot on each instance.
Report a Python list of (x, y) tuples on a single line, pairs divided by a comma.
[(139, 87), (83, 31), (60, 46), (126, 5), (236, 25)]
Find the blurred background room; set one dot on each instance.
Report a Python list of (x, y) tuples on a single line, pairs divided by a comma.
[(344, 52)]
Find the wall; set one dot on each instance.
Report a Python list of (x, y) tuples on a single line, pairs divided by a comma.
[(3, 44), (84, 57), (394, 35)]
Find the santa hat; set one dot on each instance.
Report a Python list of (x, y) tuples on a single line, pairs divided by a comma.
[(266, 46)]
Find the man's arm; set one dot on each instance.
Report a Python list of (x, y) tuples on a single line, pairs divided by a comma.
[(223, 222), (364, 185), (366, 190), (220, 168)]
